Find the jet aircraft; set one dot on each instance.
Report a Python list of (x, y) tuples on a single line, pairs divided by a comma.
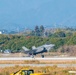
[(38, 50)]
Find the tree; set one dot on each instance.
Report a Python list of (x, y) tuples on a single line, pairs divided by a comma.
[(41, 30), (37, 31), (59, 34)]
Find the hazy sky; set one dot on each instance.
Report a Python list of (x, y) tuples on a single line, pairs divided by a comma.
[(29, 13)]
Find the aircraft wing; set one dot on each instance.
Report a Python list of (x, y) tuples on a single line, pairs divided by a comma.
[(39, 49), (33, 47), (28, 51)]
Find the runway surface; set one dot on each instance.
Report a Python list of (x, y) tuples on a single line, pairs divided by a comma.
[(29, 58), (38, 65)]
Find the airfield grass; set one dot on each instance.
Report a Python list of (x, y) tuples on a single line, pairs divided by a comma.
[(52, 70), (38, 62)]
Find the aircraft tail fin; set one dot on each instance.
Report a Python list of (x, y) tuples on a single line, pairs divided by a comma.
[(33, 47), (26, 49)]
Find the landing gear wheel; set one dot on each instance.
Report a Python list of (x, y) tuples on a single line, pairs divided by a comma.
[(42, 56)]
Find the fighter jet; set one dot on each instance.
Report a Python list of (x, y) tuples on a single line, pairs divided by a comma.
[(38, 50)]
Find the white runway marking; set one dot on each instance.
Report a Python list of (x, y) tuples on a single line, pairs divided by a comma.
[(28, 58)]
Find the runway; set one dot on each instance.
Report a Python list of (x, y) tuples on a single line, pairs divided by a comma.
[(41, 59), (38, 65), (29, 58)]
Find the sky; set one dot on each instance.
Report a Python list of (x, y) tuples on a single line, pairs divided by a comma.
[(29, 13)]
